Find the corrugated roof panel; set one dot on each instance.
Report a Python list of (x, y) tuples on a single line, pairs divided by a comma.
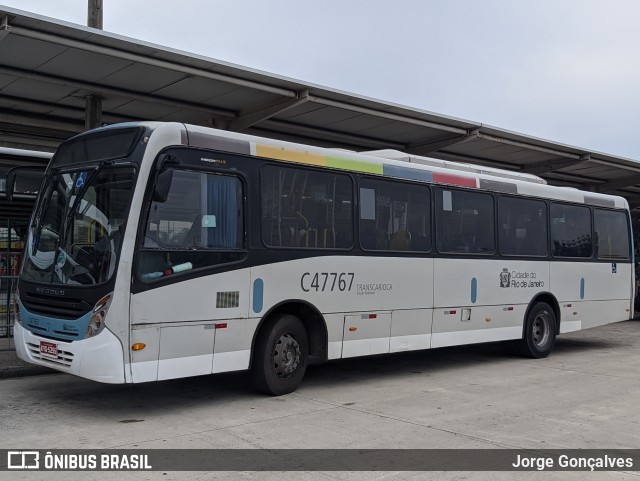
[(327, 117), (299, 110), (142, 78), (138, 109), (27, 53), (6, 80), (393, 131), (35, 90), (198, 118), (361, 124), (194, 89), (82, 65), (242, 99), (595, 170)]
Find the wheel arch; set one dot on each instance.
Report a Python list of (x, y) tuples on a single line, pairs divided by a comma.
[(549, 299), (313, 320)]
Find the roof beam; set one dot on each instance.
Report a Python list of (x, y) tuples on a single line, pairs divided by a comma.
[(386, 115), (59, 125), (4, 27), (633, 199), (578, 180), (527, 146), (612, 186), (364, 143), (105, 90), (440, 154), (67, 110), (264, 112), (147, 60), (21, 141), (551, 165), (432, 146)]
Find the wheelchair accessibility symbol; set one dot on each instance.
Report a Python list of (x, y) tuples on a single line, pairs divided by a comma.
[(82, 176)]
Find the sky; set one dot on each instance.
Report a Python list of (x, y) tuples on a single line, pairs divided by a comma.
[(562, 70)]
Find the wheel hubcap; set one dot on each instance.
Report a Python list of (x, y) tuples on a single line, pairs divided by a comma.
[(540, 330), (286, 355)]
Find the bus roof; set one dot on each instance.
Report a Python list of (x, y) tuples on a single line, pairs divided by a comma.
[(388, 163), (391, 163)]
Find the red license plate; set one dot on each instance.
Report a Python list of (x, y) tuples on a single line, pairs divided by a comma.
[(48, 348)]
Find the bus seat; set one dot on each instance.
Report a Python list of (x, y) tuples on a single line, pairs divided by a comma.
[(400, 241)]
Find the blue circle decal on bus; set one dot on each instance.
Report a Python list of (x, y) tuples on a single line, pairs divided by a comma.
[(474, 290)]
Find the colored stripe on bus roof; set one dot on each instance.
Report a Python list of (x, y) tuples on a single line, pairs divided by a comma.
[(455, 180), (407, 173), (300, 156), (498, 186), (354, 165), (303, 157)]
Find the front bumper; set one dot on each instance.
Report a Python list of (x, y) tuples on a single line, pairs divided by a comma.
[(98, 358)]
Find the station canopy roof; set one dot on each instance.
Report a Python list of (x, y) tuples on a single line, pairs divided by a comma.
[(48, 68)]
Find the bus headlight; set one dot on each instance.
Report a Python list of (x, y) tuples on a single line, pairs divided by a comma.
[(96, 323), (16, 307)]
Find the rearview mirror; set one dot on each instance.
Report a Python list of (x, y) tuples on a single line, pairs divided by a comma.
[(23, 180), (163, 185)]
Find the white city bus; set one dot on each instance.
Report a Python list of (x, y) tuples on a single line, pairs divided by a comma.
[(164, 250)]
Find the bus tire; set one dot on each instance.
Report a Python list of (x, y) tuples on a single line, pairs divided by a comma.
[(280, 356), (539, 334)]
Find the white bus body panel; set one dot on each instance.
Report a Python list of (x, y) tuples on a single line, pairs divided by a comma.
[(387, 300), (591, 294), (481, 300), (198, 326), (386, 306)]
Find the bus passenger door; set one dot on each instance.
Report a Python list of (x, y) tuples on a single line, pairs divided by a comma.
[(366, 334)]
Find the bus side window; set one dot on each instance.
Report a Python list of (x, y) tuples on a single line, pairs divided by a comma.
[(394, 215), (201, 224), (571, 230), (464, 222), (522, 226), (306, 209)]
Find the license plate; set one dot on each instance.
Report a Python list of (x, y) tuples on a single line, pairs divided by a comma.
[(48, 348)]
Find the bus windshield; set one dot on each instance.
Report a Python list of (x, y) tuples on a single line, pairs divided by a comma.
[(76, 233)]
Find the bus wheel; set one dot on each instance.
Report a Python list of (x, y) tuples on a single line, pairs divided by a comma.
[(280, 356), (539, 332)]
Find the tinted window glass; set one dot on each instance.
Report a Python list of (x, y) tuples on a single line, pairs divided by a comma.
[(108, 144), (306, 209), (570, 231), (394, 216), (201, 224), (522, 227), (612, 234), (78, 228), (464, 222)]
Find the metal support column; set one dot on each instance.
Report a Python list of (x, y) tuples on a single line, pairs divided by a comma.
[(93, 112), (94, 14), (93, 103)]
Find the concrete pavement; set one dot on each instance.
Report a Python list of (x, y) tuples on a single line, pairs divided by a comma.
[(584, 395), (11, 366)]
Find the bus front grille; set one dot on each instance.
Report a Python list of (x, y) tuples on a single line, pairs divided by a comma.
[(56, 307), (63, 359)]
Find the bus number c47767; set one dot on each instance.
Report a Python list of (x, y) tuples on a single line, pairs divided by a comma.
[(326, 281)]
